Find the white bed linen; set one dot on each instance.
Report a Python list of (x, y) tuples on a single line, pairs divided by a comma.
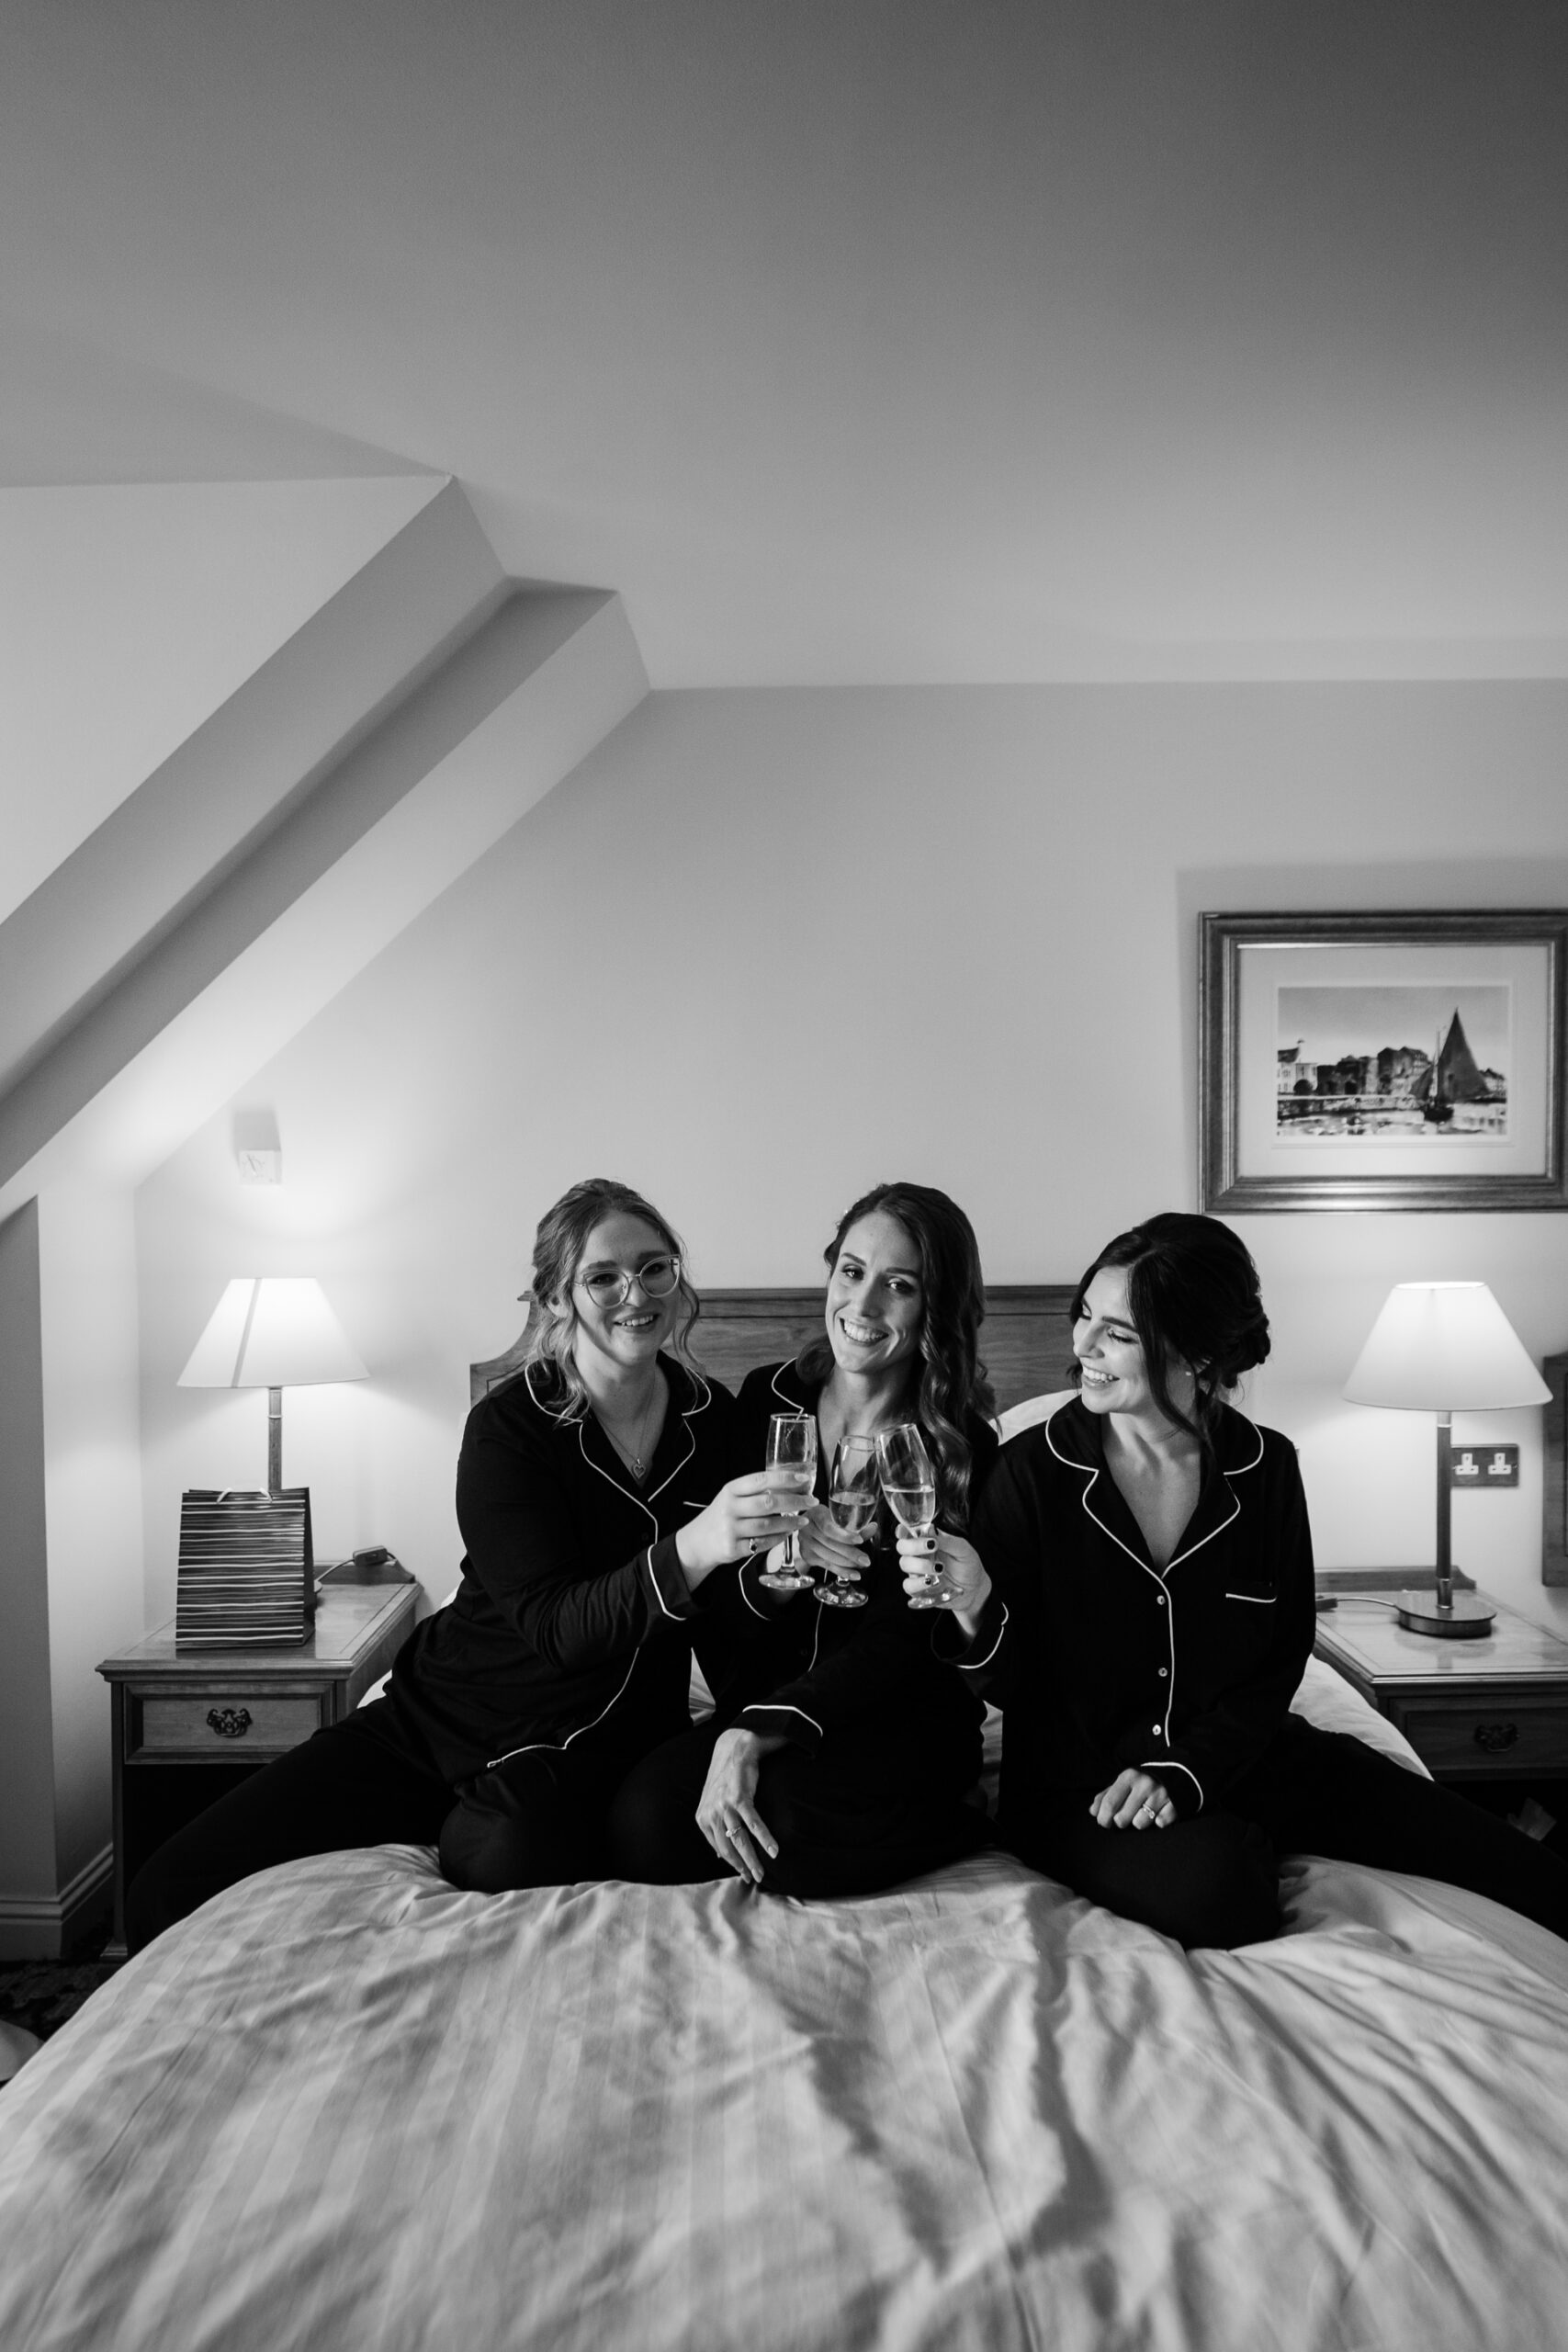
[(348, 2107)]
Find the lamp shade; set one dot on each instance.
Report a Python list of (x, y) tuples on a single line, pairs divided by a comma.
[(1444, 1348), (271, 1331)]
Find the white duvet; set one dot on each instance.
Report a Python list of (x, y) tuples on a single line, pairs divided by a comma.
[(347, 2107)]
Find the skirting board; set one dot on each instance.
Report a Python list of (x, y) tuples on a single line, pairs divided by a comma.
[(42, 1927)]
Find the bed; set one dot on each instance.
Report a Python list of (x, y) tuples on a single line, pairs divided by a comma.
[(347, 2107)]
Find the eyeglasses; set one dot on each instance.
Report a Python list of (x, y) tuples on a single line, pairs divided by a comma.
[(608, 1285)]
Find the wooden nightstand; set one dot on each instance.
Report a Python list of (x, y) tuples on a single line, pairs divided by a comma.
[(1495, 1709), (187, 1725)]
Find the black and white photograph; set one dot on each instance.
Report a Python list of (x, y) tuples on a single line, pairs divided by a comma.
[(784, 1209), (1347, 1067)]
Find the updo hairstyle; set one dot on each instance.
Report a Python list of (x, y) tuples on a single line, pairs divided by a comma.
[(1194, 1295)]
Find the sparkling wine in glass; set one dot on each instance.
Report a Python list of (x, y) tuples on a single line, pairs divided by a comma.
[(908, 1481), (792, 1473), (853, 1492)]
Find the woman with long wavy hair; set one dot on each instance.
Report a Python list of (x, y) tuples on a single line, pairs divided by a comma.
[(512, 1713), (841, 1750)]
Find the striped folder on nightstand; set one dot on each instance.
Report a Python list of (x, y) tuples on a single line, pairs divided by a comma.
[(246, 1578)]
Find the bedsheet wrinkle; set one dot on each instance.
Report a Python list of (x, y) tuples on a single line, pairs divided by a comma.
[(347, 2106)]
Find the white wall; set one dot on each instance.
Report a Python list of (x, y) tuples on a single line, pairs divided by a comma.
[(70, 1507), (26, 1741), (93, 1490), (765, 947)]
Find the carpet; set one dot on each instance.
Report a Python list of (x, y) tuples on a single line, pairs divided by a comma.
[(37, 1997)]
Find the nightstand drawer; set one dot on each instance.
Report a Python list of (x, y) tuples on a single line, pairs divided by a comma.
[(1512, 1737), (213, 1723), (189, 1727)]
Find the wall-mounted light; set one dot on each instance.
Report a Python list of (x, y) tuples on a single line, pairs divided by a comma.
[(258, 1148)]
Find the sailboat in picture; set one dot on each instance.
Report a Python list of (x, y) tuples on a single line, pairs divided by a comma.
[(1453, 1078)]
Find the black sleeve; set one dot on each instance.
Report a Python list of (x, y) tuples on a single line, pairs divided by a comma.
[(533, 1550), (1004, 1530), (1218, 1745)]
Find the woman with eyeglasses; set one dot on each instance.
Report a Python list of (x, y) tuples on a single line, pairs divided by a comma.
[(596, 1495), (843, 1749)]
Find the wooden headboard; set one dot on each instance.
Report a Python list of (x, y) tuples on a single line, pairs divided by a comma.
[(1026, 1339)]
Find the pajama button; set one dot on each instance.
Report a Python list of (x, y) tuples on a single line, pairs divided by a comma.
[(1161, 1600), (1162, 1673)]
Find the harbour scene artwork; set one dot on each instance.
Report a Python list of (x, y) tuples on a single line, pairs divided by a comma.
[(1422, 1064)]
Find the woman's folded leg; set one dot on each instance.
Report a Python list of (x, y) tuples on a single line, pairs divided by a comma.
[(539, 1818), (653, 1838), (841, 1832), (1324, 1793), (1211, 1883), (352, 1784), (843, 1827)]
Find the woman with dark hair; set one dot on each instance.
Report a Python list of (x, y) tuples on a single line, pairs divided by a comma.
[(841, 1750), (512, 1715), (1138, 1599)]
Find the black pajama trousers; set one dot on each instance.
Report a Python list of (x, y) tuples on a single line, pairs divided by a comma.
[(849, 1820), (1212, 1881), (537, 1819)]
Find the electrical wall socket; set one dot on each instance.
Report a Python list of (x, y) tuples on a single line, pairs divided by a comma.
[(1487, 1467)]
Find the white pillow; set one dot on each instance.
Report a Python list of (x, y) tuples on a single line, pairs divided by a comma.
[(1032, 1410), (700, 1699), (1326, 1700)]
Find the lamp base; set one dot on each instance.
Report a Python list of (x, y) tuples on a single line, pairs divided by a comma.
[(1468, 1620)]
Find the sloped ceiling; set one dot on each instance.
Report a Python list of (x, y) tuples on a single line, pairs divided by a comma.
[(128, 615), (899, 340)]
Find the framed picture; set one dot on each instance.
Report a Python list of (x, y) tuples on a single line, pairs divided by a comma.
[(1382, 1061)]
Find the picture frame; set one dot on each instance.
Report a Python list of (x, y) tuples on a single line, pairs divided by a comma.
[(1423, 1066), (1554, 1491)]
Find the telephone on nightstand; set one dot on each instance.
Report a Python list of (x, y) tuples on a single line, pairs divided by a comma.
[(375, 1565)]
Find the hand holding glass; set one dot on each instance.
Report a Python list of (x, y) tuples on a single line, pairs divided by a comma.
[(908, 1481), (792, 1474), (852, 1494)]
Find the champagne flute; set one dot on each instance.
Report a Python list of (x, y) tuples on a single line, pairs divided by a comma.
[(908, 1481), (792, 1473), (853, 1493)]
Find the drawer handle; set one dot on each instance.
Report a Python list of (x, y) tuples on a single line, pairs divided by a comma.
[(1495, 1737), (233, 1722)]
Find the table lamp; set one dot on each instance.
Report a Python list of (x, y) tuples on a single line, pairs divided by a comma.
[(272, 1332), (1444, 1348)]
